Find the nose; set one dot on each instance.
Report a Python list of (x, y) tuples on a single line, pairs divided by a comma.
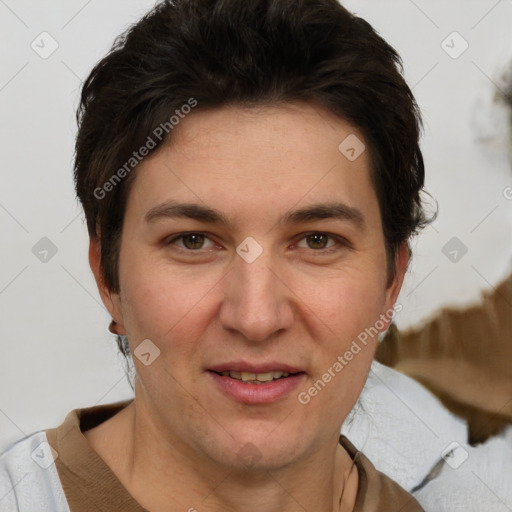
[(257, 303)]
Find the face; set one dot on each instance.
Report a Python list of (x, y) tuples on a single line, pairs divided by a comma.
[(252, 247)]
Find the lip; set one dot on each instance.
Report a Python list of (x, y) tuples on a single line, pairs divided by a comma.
[(243, 366), (252, 394)]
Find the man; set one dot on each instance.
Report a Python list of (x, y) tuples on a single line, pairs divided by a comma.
[(250, 175)]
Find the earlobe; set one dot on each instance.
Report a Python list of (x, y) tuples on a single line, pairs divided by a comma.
[(109, 299), (401, 263)]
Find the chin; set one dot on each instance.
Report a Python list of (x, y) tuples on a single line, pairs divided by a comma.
[(264, 452)]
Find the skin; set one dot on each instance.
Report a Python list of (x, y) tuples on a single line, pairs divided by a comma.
[(177, 447)]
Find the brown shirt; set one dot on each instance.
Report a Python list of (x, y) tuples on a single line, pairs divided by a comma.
[(89, 484)]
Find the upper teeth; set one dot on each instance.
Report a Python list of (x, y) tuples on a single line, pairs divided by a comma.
[(260, 377)]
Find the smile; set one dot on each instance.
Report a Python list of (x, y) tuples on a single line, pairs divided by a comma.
[(255, 378), (257, 387)]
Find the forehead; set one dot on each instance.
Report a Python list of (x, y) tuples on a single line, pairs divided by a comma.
[(258, 161)]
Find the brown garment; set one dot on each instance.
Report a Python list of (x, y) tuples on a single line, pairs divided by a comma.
[(464, 356), (90, 485)]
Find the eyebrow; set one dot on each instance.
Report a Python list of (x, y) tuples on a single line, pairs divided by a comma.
[(335, 211)]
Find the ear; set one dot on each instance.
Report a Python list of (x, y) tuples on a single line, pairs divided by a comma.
[(110, 299), (394, 287)]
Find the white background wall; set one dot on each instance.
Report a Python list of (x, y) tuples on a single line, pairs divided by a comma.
[(55, 353)]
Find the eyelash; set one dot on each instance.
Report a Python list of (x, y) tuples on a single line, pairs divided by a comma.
[(341, 242)]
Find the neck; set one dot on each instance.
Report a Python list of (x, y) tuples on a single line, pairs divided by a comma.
[(162, 473)]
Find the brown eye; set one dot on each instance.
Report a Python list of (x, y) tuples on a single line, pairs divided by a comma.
[(317, 241), (321, 243), (193, 240)]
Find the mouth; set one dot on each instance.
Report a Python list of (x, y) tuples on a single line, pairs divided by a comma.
[(257, 378), (256, 384)]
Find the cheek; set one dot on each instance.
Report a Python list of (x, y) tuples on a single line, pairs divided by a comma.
[(346, 311), (162, 304), (346, 302)]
